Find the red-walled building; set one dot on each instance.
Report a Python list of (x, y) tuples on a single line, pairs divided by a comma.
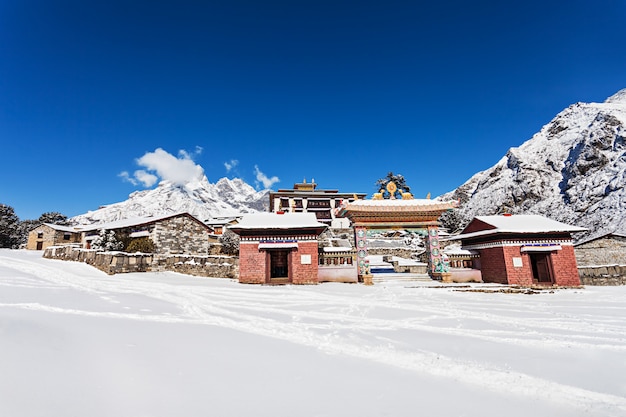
[(523, 249), (278, 248)]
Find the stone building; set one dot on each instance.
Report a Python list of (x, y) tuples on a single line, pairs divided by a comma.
[(220, 224), (523, 249), (48, 234), (307, 198), (278, 248), (172, 234), (609, 249)]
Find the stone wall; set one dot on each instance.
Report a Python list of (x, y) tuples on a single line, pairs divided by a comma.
[(602, 275), (216, 266), (608, 250), (181, 235), (121, 262), (347, 233)]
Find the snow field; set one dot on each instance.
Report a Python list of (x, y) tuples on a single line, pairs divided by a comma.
[(76, 341)]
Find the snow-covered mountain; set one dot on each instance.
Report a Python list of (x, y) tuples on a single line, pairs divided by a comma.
[(572, 170), (199, 197)]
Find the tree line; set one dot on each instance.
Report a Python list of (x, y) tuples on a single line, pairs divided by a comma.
[(14, 232)]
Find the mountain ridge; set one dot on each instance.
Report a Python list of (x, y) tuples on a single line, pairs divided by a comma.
[(572, 170), (200, 198)]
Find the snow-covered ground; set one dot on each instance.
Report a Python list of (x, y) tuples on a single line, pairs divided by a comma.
[(77, 342)]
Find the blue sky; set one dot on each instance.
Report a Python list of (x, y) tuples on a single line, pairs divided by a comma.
[(102, 98)]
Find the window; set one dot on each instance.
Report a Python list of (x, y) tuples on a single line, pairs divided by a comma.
[(318, 204), (39, 235), (323, 215), (66, 236)]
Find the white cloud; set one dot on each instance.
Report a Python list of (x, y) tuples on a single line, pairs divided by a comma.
[(183, 154), (264, 179), (126, 177), (140, 176), (161, 164), (147, 179), (230, 165)]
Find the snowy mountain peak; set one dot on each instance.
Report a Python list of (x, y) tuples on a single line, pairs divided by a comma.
[(573, 170), (228, 197), (619, 97)]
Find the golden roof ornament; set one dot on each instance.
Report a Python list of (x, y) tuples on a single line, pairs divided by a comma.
[(391, 187), (406, 196)]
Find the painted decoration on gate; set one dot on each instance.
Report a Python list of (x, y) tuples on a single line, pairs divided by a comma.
[(361, 243), (437, 262)]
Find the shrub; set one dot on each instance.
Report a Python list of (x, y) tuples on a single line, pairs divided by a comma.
[(142, 244)]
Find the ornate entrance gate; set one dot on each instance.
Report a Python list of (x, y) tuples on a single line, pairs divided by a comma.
[(394, 213)]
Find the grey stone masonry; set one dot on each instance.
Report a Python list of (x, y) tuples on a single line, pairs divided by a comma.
[(217, 266), (608, 250), (181, 235), (602, 275)]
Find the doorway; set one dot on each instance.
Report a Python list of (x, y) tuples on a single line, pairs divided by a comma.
[(279, 265), (542, 268)]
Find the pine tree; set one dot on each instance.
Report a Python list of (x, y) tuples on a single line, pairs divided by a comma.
[(453, 221), (230, 243), (23, 229), (107, 241), (54, 217), (9, 227)]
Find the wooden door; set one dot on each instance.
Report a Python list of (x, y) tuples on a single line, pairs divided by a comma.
[(279, 264), (542, 267)]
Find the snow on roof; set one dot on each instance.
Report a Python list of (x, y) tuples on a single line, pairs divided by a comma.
[(600, 236), (119, 224), (278, 221), (414, 202), (337, 248), (218, 221), (458, 251), (522, 223), (528, 223), (400, 205), (142, 233), (61, 228)]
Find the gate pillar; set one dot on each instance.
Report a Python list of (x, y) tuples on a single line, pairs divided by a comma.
[(360, 240), (438, 267)]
